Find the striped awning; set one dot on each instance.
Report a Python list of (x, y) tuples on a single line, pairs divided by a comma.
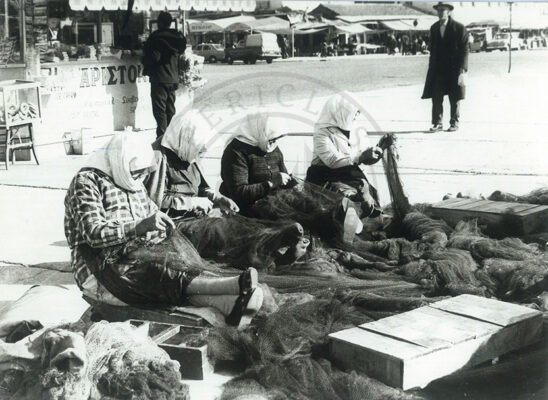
[(158, 5)]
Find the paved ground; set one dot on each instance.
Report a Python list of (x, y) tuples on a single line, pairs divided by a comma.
[(501, 145)]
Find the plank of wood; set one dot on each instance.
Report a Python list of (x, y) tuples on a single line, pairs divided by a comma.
[(488, 310), (431, 328), (538, 209), (503, 207), (420, 371), (396, 349), (123, 313), (470, 205), (449, 203), (376, 355)]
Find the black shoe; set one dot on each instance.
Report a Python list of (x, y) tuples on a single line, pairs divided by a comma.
[(246, 307), (436, 128), (248, 280), (453, 128)]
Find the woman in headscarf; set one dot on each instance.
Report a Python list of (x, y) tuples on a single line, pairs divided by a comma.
[(254, 174), (179, 187), (252, 165), (117, 236), (336, 163)]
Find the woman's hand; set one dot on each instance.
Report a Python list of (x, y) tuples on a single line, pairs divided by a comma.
[(155, 222), (371, 155), (202, 204), (226, 204), (281, 179)]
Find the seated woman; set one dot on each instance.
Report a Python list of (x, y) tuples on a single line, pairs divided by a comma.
[(335, 164), (252, 165), (114, 231), (179, 187), (253, 169)]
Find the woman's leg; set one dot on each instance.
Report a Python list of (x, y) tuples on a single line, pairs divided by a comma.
[(234, 285)]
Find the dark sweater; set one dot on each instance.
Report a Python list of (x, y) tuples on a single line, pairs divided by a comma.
[(246, 172), (161, 55)]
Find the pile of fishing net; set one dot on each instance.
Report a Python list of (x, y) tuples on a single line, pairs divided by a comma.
[(537, 196), (285, 356), (111, 361)]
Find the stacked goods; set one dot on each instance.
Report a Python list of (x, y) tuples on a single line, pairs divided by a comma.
[(21, 113)]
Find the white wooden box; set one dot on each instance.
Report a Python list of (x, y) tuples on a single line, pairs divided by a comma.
[(414, 348)]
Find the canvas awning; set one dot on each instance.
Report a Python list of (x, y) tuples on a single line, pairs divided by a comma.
[(398, 25), (307, 28), (270, 24), (218, 25), (344, 27), (157, 5)]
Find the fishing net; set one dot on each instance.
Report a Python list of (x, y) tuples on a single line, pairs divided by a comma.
[(124, 363), (467, 236), (537, 196), (284, 356)]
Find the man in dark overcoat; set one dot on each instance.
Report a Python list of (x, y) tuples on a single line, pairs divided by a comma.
[(447, 66)]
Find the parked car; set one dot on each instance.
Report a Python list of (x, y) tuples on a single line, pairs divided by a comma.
[(501, 41), (212, 52), (255, 46)]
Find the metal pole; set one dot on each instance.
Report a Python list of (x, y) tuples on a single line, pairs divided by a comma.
[(292, 42), (510, 49), (6, 20)]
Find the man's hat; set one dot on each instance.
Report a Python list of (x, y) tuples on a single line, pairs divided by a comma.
[(442, 4)]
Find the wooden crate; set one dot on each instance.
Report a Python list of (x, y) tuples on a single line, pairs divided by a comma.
[(416, 347), (174, 339), (513, 218), (112, 313)]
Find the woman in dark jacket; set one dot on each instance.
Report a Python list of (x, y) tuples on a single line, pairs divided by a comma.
[(252, 165), (252, 168)]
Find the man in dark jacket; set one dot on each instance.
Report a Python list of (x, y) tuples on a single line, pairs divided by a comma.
[(161, 63), (448, 63)]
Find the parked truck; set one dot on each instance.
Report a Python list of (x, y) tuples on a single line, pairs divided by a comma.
[(255, 46)]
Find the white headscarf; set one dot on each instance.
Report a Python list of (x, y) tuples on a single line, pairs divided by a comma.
[(125, 153), (339, 111), (188, 135), (258, 128)]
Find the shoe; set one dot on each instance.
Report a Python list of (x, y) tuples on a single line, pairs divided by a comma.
[(453, 128), (436, 128), (248, 280), (246, 307)]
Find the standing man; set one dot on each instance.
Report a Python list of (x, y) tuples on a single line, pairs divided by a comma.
[(161, 63), (448, 63)]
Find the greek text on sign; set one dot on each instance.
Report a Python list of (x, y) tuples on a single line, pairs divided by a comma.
[(111, 75)]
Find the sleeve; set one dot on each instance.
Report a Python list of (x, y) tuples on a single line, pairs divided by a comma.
[(326, 150), (235, 172), (90, 216), (432, 47), (463, 50), (281, 164)]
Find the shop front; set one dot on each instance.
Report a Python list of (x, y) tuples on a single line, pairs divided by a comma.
[(86, 56)]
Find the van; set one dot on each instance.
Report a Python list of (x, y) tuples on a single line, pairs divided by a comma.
[(255, 46)]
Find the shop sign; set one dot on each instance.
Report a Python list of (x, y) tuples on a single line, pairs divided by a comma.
[(203, 27), (102, 95)]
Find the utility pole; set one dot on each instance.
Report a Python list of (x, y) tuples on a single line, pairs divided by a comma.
[(510, 49)]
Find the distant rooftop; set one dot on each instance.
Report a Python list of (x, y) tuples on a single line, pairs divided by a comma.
[(366, 9)]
